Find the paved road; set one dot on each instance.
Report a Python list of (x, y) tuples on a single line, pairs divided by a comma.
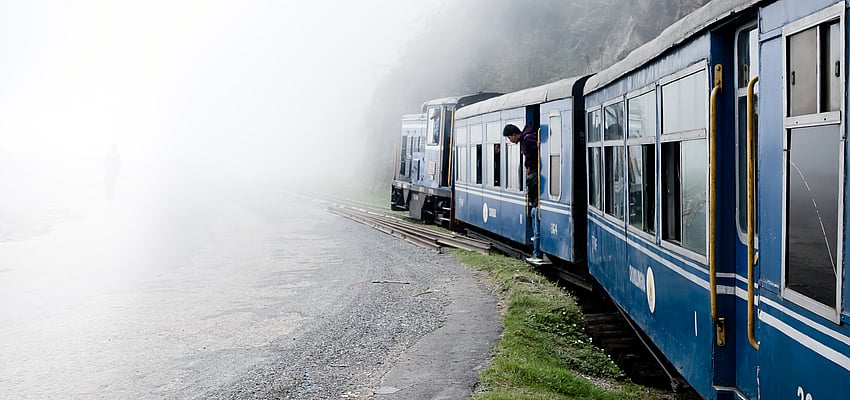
[(247, 295)]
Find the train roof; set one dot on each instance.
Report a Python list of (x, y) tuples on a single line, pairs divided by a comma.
[(539, 94), (675, 34), (460, 101)]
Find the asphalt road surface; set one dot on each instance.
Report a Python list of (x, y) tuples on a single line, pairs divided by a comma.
[(237, 296)]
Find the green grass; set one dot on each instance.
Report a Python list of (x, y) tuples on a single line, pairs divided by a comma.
[(544, 352)]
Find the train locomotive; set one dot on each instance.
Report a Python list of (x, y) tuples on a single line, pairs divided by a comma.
[(701, 181), (421, 182)]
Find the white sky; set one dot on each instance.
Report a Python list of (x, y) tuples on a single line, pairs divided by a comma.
[(264, 85)]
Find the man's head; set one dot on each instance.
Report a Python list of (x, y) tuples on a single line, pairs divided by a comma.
[(512, 133)]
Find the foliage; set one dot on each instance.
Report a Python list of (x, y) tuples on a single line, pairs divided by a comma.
[(544, 352)]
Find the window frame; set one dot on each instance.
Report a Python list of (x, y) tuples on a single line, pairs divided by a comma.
[(742, 232), (514, 148), (641, 141), (462, 151), (476, 138), (681, 137), (832, 13), (492, 137), (552, 115), (429, 125), (595, 145), (614, 143)]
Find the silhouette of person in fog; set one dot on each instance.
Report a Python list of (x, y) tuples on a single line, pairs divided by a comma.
[(112, 166)]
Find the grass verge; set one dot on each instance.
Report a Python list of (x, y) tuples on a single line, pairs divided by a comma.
[(544, 352)]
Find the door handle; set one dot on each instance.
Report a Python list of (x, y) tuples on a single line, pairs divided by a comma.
[(751, 326)]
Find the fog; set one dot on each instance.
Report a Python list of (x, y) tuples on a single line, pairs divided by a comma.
[(191, 95)]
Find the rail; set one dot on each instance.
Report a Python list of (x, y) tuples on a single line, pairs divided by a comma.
[(420, 235)]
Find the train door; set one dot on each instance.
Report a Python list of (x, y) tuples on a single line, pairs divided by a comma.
[(802, 340), (744, 88)]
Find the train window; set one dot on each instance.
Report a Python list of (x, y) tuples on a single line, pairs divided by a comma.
[(684, 105), (434, 125), (671, 193), (493, 161), (640, 165), (747, 61), (614, 181), (642, 116), (594, 161), (694, 196), (514, 171), (802, 74), (403, 155), (814, 69), (555, 154), (641, 169), (614, 157), (594, 126), (476, 155), (594, 158), (614, 121), (813, 180), (475, 139), (684, 161), (461, 152)]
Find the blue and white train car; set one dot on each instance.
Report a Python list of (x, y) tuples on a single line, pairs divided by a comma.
[(747, 298), (422, 182), (489, 172)]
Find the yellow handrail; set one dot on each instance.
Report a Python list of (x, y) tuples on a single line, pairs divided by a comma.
[(719, 323), (751, 326)]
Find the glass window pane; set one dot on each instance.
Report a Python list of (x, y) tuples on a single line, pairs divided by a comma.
[(813, 196), (671, 193), (802, 72), (614, 121), (494, 134), (694, 184), (434, 125), (555, 134), (831, 67), (514, 169), (595, 187), (594, 126), (743, 63), (742, 159), (642, 115), (555, 175), (641, 169), (477, 163), (649, 187), (496, 162), (614, 182), (636, 171), (475, 134), (684, 104)]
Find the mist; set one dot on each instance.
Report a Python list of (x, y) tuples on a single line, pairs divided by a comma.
[(194, 98)]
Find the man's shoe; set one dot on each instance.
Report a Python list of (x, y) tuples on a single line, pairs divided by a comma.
[(534, 260)]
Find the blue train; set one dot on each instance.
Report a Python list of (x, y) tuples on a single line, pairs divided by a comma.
[(701, 181)]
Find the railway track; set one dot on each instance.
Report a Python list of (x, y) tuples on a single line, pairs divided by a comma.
[(610, 329), (418, 234)]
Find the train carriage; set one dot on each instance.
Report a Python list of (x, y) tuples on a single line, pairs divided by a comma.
[(421, 182), (489, 173), (747, 298)]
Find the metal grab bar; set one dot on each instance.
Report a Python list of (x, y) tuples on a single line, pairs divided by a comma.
[(751, 326), (719, 323)]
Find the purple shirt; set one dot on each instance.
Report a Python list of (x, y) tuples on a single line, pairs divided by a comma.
[(528, 146)]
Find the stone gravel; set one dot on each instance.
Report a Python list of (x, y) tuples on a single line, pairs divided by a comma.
[(404, 296)]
